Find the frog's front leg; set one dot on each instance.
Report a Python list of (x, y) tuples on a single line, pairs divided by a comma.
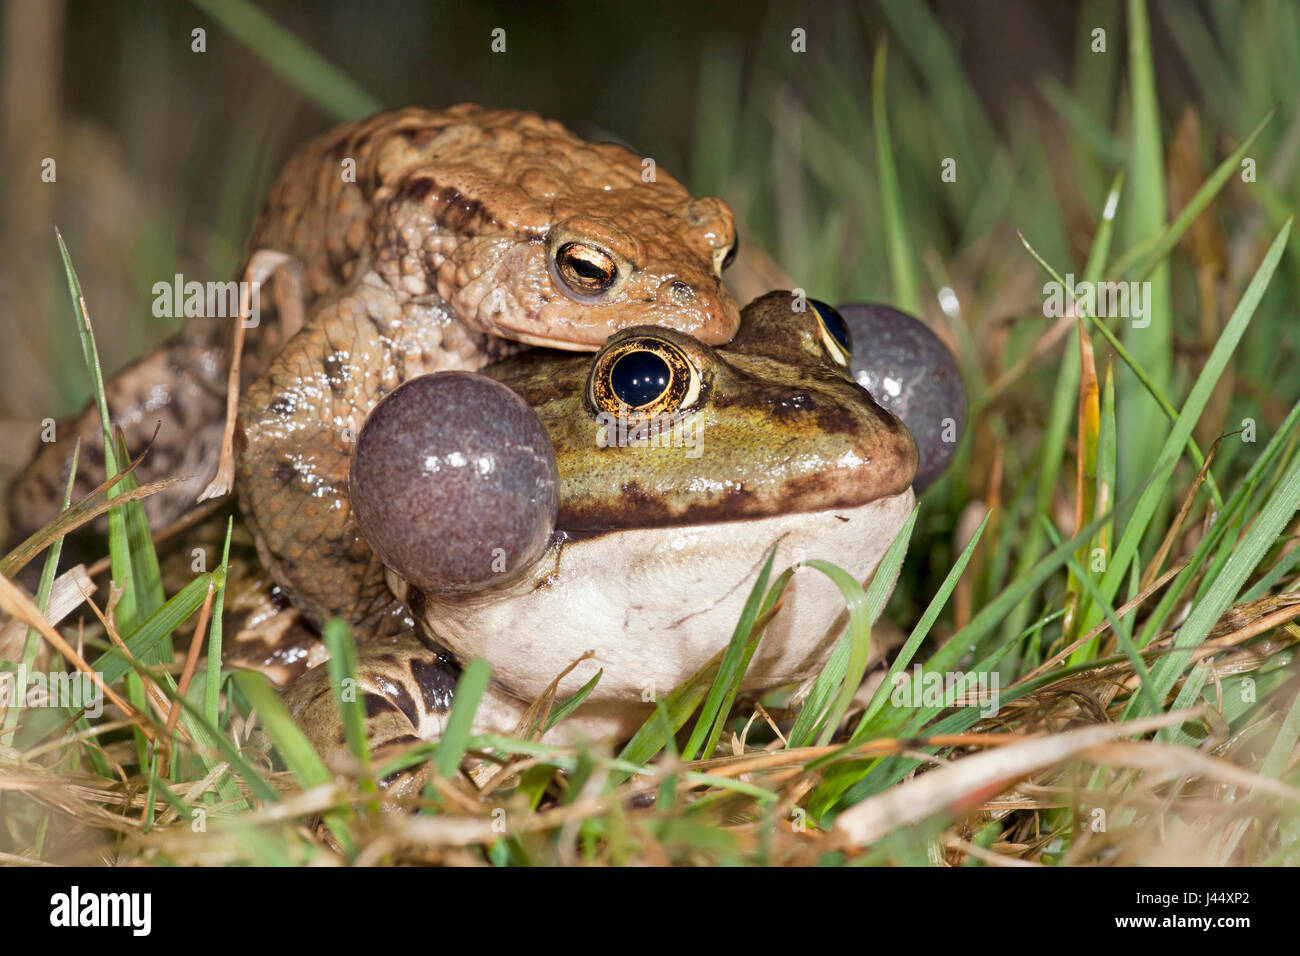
[(406, 690), (297, 427), (404, 687)]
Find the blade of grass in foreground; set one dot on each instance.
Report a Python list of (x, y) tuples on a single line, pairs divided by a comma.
[(296, 750), (919, 633), (1245, 557), (318, 80), (730, 672), (144, 641), (118, 544), (862, 611), (1148, 502), (834, 688), (455, 735), (342, 666), (32, 642), (212, 676), (146, 578), (901, 270)]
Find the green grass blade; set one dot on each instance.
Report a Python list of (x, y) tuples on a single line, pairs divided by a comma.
[(1145, 509), (294, 748), (314, 77), (901, 269), (921, 631), (1245, 557), (729, 672), (43, 589), (145, 640), (1139, 261), (1059, 417), (212, 674), (559, 712), (460, 722), (834, 688), (1152, 345), (864, 607), (342, 665), (1154, 390)]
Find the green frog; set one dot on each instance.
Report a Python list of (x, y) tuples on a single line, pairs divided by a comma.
[(676, 466)]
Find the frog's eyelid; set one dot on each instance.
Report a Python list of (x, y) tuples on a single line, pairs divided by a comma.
[(833, 349)]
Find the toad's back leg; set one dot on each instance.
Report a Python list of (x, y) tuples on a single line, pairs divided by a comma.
[(313, 216), (178, 389), (296, 429)]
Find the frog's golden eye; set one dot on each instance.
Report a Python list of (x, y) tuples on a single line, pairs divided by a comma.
[(834, 332), (585, 269), (644, 376)]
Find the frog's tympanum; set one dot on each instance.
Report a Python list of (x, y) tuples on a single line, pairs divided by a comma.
[(679, 466), (412, 241)]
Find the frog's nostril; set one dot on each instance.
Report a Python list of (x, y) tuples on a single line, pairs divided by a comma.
[(796, 401)]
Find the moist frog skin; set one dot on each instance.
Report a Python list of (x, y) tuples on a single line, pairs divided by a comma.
[(411, 241), (653, 552)]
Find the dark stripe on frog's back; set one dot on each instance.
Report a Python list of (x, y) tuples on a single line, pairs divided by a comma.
[(436, 679)]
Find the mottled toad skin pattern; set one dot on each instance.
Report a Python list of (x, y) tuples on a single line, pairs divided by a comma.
[(439, 252), (447, 217), (463, 203), (783, 429)]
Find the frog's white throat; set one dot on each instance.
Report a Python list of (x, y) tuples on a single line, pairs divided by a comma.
[(654, 605)]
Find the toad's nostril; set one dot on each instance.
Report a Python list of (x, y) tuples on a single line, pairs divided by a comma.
[(797, 401), (678, 290)]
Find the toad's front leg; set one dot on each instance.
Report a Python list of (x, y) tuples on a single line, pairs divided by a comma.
[(297, 427)]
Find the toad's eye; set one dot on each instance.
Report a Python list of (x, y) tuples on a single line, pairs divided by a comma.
[(834, 331), (585, 269), (644, 376)]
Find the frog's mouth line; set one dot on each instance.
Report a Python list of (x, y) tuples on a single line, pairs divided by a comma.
[(713, 520)]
